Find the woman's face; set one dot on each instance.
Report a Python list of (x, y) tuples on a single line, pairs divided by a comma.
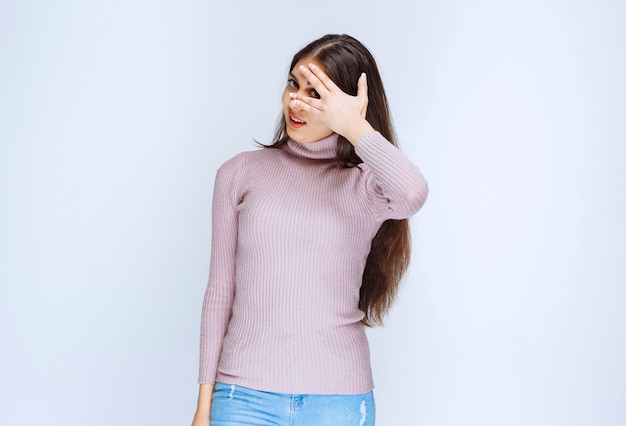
[(302, 126)]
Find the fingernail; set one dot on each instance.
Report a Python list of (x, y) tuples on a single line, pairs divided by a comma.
[(303, 68), (312, 66), (292, 95), (363, 75)]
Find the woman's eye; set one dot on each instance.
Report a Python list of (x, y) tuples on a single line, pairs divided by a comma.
[(314, 94), (291, 84)]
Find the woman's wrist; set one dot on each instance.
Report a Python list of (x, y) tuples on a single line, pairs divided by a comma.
[(205, 395), (358, 129)]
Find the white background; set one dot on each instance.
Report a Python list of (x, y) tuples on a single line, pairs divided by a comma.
[(114, 117)]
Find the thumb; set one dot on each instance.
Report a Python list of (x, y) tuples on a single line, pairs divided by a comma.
[(361, 93), (361, 87)]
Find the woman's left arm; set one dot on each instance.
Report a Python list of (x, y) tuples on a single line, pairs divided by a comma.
[(399, 186)]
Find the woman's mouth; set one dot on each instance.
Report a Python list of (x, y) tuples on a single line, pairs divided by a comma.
[(296, 122)]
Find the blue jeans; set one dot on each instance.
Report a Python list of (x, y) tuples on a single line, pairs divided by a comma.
[(238, 406)]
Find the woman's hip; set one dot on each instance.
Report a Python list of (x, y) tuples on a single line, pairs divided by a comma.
[(237, 406)]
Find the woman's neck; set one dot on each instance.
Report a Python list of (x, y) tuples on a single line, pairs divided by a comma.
[(323, 149)]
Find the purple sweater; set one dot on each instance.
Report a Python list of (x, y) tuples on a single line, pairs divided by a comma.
[(291, 233)]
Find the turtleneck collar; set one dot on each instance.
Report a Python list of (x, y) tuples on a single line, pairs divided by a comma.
[(322, 149)]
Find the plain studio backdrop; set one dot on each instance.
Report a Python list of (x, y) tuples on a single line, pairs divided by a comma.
[(114, 117)]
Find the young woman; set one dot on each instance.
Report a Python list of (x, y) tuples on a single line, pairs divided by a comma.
[(310, 239)]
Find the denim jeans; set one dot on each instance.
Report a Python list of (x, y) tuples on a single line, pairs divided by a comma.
[(238, 406)]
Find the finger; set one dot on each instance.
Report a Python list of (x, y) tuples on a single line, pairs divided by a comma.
[(324, 78), (315, 82), (314, 102), (297, 104), (293, 105), (318, 79)]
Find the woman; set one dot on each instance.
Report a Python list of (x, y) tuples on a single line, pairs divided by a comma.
[(310, 239)]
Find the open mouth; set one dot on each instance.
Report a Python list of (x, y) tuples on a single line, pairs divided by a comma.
[(295, 121)]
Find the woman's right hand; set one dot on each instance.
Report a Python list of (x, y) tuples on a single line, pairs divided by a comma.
[(201, 420), (203, 412)]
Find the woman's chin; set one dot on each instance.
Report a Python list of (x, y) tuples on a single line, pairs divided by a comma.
[(303, 137)]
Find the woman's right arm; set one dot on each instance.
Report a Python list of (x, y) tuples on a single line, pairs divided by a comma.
[(219, 295), (203, 411)]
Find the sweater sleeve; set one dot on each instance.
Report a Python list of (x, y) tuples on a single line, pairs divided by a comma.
[(220, 292), (396, 185)]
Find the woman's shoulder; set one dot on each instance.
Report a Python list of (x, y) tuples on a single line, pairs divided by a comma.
[(249, 160), (253, 156)]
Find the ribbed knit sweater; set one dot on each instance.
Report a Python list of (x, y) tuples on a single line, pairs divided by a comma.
[(292, 230)]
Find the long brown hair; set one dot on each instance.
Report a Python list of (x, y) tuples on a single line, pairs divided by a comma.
[(344, 59)]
